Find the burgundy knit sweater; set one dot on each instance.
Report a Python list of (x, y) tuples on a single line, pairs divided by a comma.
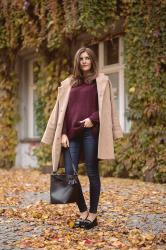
[(82, 104)]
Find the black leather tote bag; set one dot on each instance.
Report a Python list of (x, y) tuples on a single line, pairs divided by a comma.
[(64, 188)]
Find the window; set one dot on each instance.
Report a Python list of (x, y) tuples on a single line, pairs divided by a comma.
[(95, 48), (110, 58), (114, 77), (28, 97), (111, 51)]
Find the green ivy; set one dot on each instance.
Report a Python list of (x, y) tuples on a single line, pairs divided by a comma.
[(145, 75), (8, 109)]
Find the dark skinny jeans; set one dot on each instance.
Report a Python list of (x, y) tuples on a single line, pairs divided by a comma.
[(90, 147)]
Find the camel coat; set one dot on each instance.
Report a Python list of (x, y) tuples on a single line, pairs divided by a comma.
[(109, 128)]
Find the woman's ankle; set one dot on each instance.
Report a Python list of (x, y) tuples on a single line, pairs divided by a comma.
[(92, 216), (84, 214)]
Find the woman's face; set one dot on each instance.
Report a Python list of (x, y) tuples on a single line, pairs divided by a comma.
[(85, 62)]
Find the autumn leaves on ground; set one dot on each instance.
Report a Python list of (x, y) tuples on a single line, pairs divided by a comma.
[(130, 215)]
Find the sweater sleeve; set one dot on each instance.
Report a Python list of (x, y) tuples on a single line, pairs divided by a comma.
[(94, 117)]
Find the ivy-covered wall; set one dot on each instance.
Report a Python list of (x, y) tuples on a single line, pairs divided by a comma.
[(51, 28), (144, 152), (8, 109)]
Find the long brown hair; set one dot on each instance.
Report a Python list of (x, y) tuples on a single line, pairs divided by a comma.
[(77, 75)]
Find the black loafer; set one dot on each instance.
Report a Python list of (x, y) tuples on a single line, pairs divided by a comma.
[(78, 222), (88, 224)]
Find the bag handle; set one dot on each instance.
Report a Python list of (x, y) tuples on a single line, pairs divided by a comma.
[(73, 166)]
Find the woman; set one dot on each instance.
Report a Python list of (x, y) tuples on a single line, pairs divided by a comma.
[(85, 122)]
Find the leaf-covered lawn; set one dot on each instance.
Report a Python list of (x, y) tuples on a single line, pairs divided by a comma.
[(131, 215)]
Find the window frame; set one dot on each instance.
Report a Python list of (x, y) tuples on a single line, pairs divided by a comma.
[(27, 122), (116, 68)]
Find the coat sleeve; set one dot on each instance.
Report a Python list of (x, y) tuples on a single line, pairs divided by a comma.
[(117, 130), (48, 135)]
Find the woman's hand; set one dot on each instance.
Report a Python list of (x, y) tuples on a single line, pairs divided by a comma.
[(87, 123), (64, 141)]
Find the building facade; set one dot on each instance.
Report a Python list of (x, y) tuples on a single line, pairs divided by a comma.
[(110, 55)]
